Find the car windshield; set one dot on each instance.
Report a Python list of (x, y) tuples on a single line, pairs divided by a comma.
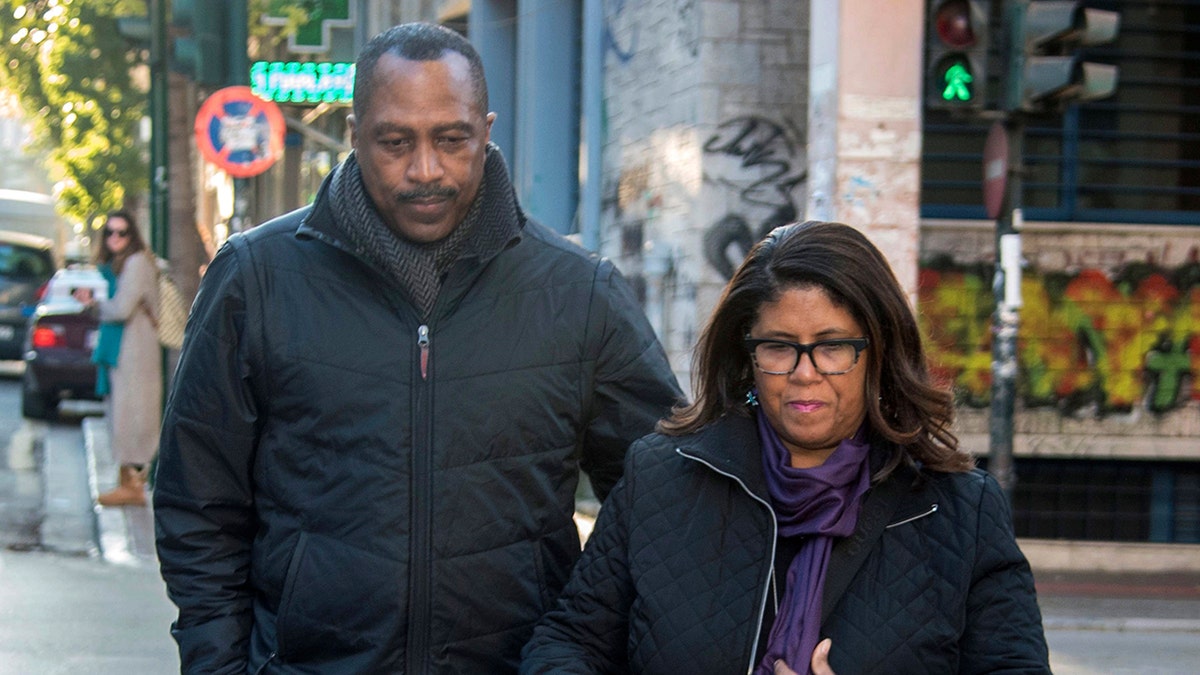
[(20, 262)]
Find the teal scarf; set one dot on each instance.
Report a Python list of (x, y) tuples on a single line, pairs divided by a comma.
[(108, 340)]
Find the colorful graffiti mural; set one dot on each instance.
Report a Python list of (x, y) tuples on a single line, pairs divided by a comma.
[(1087, 340)]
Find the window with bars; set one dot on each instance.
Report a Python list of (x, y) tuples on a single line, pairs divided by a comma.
[(1134, 157), (1106, 500)]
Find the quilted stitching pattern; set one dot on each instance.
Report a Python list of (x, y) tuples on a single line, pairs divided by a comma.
[(673, 581), (950, 592), (679, 547)]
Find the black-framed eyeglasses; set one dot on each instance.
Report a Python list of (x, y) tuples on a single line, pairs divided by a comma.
[(829, 357), (108, 232)]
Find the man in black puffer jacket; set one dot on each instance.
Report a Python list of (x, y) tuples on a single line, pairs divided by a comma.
[(370, 453)]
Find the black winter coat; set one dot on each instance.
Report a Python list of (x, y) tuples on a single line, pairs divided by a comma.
[(678, 572), (343, 489)]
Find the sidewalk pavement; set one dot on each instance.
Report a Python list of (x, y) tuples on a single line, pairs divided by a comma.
[(1070, 600), (125, 535), (83, 595)]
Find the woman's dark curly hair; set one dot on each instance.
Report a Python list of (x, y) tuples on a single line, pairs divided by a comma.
[(906, 409)]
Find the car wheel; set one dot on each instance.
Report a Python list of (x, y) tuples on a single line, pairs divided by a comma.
[(38, 406)]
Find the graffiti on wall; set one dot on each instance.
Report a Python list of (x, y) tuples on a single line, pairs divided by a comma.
[(1088, 342), (766, 171), (688, 29), (622, 28), (621, 25)]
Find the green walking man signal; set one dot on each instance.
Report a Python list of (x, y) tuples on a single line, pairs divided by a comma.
[(957, 79), (956, 54)]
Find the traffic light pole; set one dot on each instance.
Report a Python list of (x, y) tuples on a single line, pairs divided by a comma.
[(1006, 281), (238, 73), (1006, 291), (159, 232)]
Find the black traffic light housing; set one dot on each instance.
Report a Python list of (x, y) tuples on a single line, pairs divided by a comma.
[(210, 41), (956, 56), (1051, 72), (199, 47)]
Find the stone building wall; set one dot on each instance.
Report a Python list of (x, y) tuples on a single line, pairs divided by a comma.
[(705, 136)]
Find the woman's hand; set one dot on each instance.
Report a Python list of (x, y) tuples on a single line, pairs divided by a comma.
[(83, 295), (819, 665), (820, 658)]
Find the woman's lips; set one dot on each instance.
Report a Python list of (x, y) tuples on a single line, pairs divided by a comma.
[(805, 406)]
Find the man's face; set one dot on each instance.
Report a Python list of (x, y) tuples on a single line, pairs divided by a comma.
[(421, 144)]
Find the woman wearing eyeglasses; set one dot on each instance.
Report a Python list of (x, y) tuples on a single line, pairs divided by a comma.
[(811, 511), (127, 355)]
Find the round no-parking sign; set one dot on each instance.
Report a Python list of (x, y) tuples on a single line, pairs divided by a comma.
[(240, 132)]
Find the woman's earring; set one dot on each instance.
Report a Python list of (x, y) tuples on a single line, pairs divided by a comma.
[(751, 399)]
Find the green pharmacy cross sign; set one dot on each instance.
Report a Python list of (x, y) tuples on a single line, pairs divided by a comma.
[(320, 16), (957, 82)]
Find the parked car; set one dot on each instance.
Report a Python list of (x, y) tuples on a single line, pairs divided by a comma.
[(26, 264), (58, 344)]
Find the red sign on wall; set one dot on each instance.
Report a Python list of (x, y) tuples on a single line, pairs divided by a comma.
[(240, 132)]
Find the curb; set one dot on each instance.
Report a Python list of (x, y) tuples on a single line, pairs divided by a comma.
[(1122, 625), (67, 526), (120, 531)]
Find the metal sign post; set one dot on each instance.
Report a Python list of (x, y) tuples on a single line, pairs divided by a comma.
[(1007, 141)]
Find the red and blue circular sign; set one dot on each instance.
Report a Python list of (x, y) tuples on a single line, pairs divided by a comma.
[(240, 132)]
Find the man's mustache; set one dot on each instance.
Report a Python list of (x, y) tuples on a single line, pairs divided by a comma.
[(430, 192)]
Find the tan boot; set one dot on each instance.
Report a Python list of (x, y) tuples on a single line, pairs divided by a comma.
[(130, 492)]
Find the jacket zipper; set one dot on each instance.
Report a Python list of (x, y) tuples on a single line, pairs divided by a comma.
[(932, 510), (423, 343), (771, 575), (419, 564)]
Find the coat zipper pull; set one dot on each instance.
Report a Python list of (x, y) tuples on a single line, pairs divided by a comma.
[(423, 343)]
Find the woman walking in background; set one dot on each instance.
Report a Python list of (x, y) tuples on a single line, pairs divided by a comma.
[(127, 355)]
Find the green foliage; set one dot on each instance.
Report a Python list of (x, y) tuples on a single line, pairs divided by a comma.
[(84, 90)]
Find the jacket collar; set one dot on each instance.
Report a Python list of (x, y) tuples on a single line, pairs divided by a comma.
[(319, 222), (731, 446)]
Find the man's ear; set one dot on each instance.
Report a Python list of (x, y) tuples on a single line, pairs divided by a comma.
[(352, 124), (487, 128)]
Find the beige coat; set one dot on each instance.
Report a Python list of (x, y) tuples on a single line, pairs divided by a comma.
[(135, 401)]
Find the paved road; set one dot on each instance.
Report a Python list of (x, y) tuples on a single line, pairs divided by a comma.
[(1090, 652), (81, 616), (20, 482)]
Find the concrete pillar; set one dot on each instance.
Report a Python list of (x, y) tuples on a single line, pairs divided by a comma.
[(864, 123)]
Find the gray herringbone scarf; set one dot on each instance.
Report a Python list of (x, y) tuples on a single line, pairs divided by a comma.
[(420, 268)]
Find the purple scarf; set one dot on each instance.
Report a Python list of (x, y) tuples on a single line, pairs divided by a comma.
[(820, 503)]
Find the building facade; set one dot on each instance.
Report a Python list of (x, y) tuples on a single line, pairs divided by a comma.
[(670, 135)]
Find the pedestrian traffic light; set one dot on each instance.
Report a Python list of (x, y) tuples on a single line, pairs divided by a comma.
[(956, 40), (1052, 72), (199, 48)]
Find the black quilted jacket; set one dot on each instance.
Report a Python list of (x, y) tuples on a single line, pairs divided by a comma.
[(677, 574), (344, 490)]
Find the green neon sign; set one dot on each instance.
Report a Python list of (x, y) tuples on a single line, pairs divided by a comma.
[(296, 82), (957, 82)]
